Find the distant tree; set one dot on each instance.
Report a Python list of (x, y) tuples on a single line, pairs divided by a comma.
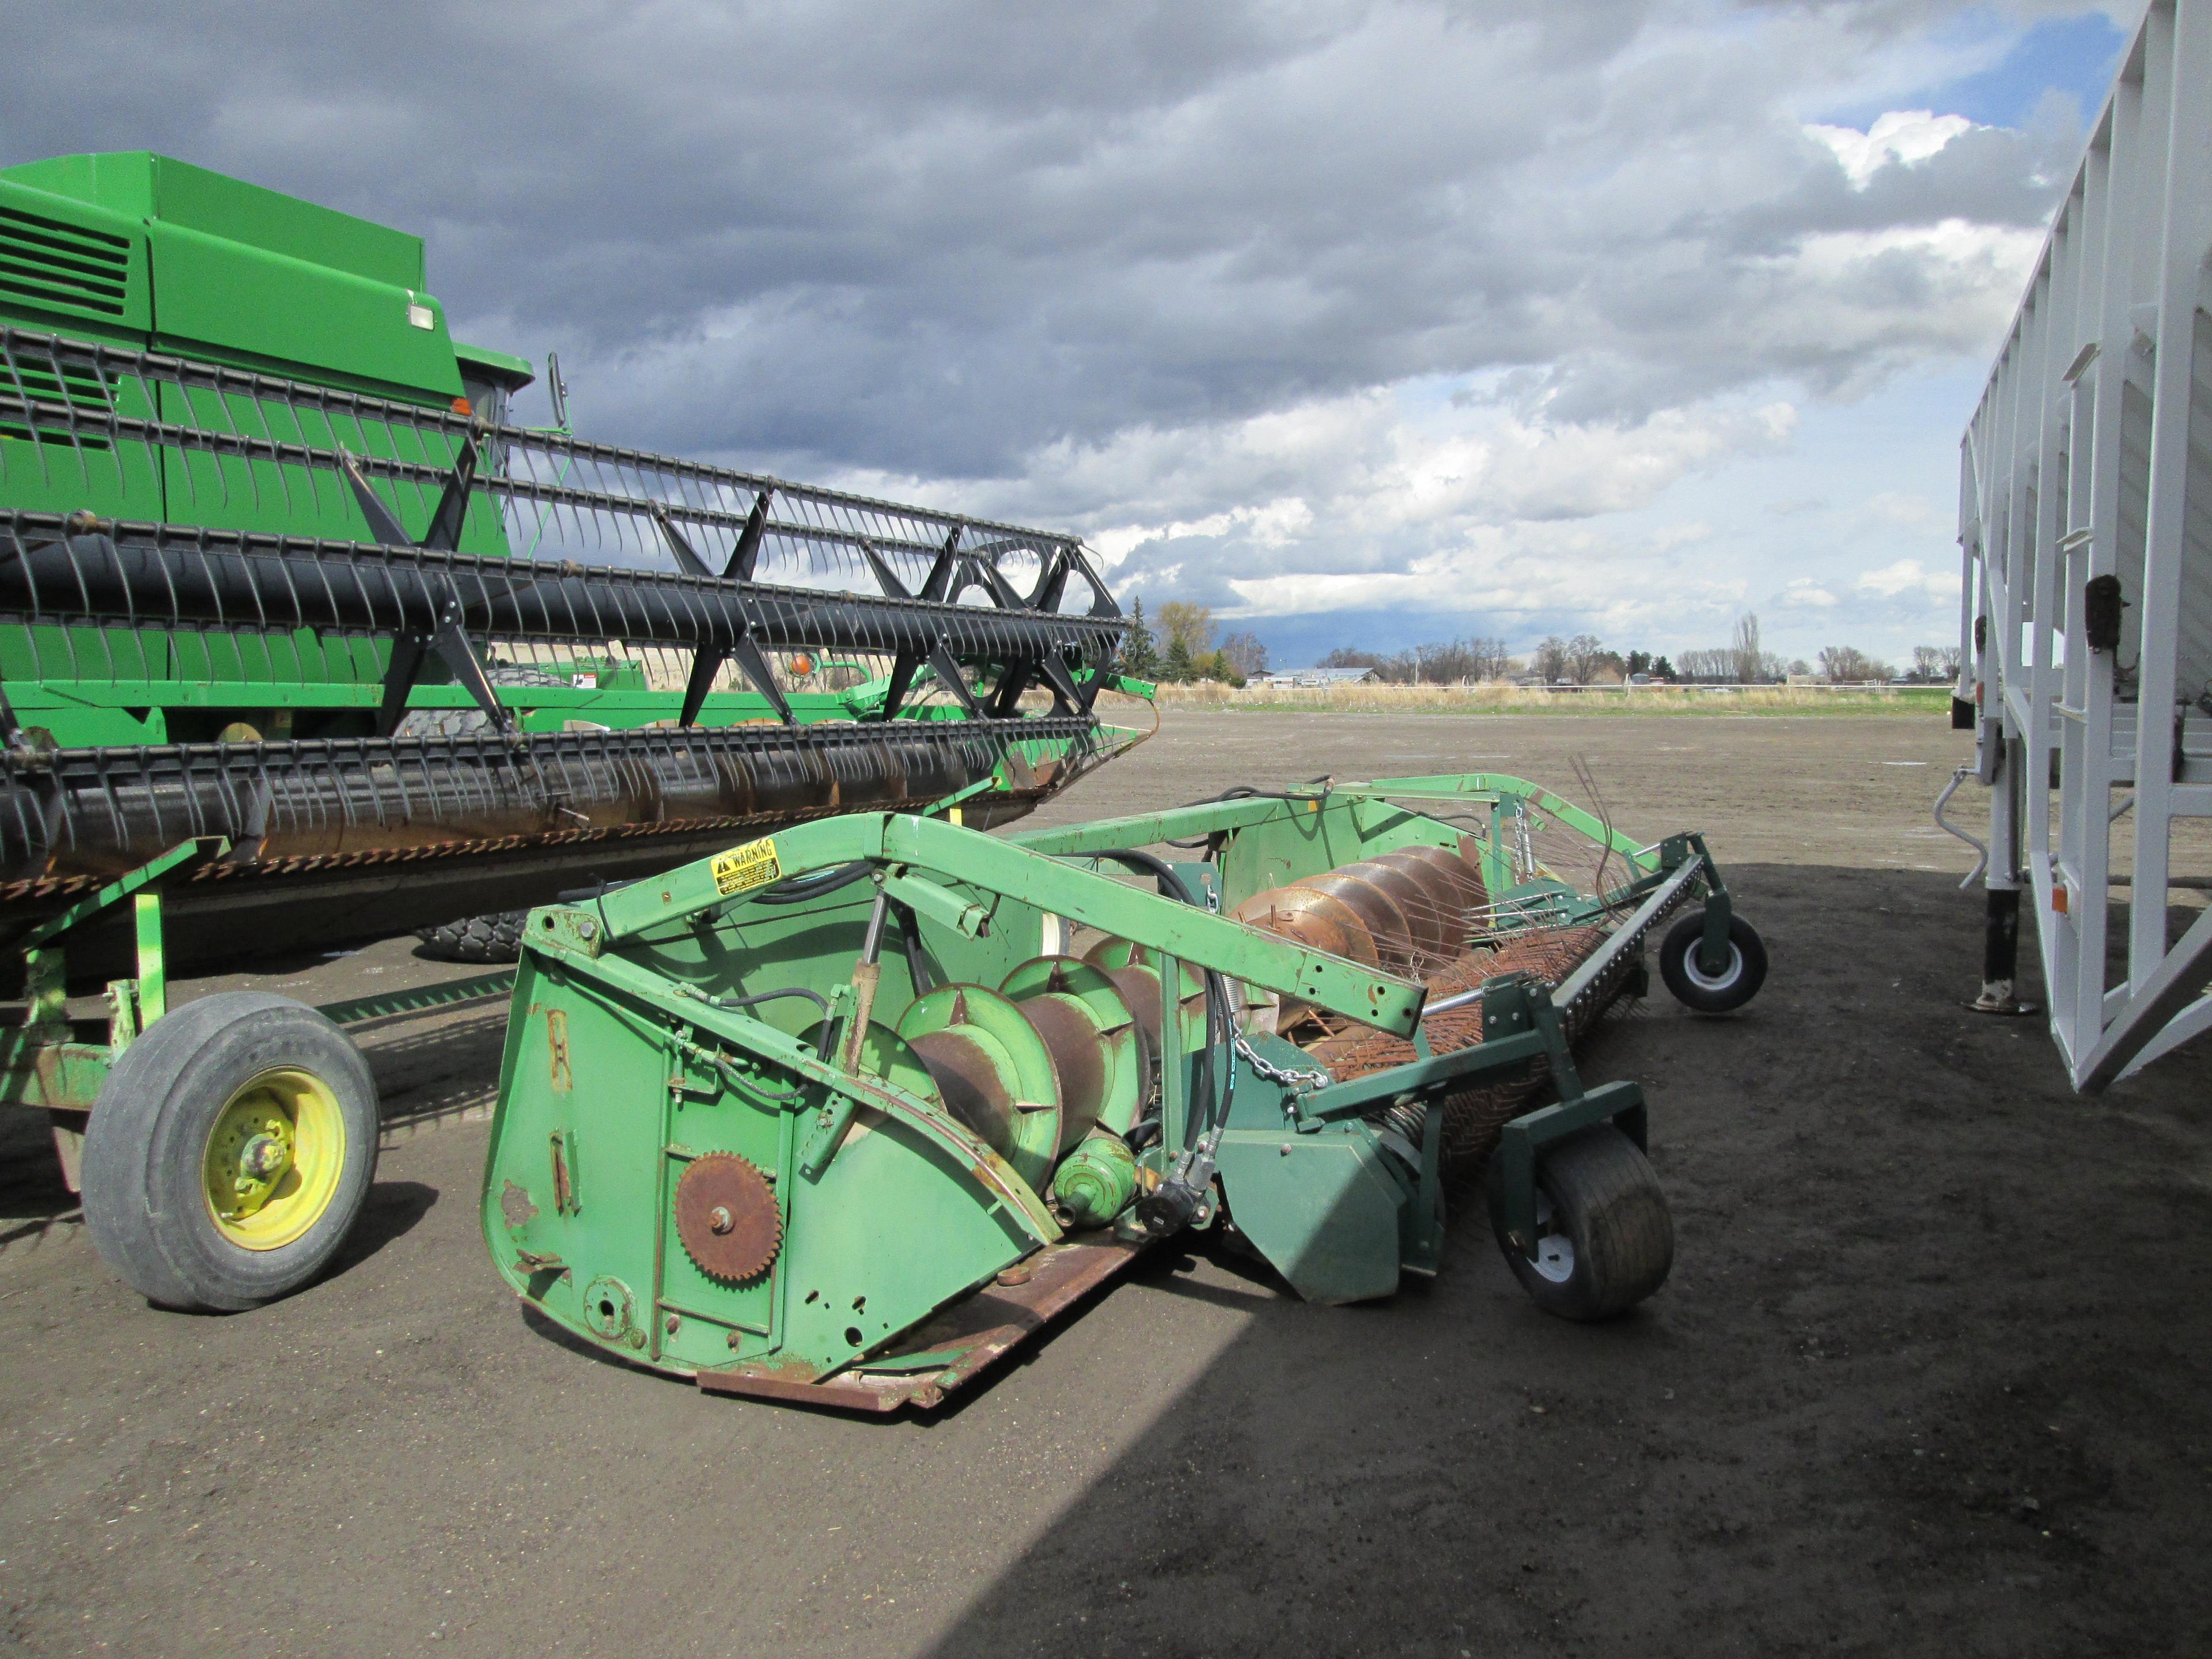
[(1715, 666), (1552, 658), (1218, 666), (1140, 656), (1799, 665), (1846, 664), (1750, 663), (1934, 664), (1345, 656), (1663, 670), (1245, 654), (1639, 662), (1178, 667), (1191, 623), (1581, 656)]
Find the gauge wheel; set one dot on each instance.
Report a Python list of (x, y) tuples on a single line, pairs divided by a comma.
[(230, 1153), (1739, 979), (1605, 1239)]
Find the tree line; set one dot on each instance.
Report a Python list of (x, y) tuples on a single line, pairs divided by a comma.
[(1181, 649)]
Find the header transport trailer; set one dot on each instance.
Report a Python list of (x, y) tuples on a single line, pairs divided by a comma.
[(303, 640), (2086, 531)]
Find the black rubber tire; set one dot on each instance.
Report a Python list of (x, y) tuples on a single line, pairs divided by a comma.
[(467, 722), (496, 937), (144, 1205), (1606, 1203), (1746, 969)]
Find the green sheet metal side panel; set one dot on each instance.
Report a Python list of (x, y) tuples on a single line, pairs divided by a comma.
[(71, 266), (1321, 1208), (894, 1228), (747, 948)]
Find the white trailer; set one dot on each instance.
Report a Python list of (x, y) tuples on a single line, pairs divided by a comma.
[(2086, 531)]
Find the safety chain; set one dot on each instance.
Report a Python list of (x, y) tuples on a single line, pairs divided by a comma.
[(1297, 1079)]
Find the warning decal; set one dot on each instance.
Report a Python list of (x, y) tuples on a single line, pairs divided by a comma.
[(746, 866)]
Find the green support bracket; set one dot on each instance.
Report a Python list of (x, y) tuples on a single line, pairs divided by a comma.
[(183, 853), (1520, 1004)]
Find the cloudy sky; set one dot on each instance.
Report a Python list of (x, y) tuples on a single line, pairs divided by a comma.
[(1365, 323)]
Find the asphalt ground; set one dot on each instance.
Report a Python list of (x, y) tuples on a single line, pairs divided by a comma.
[(1930, 1376)]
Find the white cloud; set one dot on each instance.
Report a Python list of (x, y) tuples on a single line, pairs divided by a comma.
[(1901, 136), (1910, 578), (1806, 594)]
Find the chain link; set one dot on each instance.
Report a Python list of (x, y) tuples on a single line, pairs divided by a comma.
[(1297, 1079)]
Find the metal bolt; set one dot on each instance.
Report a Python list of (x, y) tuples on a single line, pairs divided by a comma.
[(719, 1219), (673, 1322)]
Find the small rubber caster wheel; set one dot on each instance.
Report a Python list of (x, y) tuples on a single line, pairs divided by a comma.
[(1736, 983), (230, 1153), (1605, 1238)]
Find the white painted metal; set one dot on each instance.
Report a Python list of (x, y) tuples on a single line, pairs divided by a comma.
[(2091, 455)]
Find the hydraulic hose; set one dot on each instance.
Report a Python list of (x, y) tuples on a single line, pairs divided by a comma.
[(1169, 1208)]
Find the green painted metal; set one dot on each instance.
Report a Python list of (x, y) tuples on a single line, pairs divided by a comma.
[(627, 1038), (1096, 1182)]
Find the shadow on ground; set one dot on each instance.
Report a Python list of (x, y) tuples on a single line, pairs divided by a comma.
[(1930, 1376)]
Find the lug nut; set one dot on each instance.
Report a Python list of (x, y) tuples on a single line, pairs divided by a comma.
[(721, 1220)]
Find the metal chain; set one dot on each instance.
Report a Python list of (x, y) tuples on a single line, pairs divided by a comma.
[(1295, 1078)]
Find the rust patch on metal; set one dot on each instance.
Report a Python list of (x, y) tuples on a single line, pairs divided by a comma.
[(557, 1049), (516, 1205), (727, 1217)]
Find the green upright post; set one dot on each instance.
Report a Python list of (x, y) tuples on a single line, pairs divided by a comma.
[(153, 971)]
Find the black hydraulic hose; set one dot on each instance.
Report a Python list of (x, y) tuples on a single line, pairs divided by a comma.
[(1220, 1023), (732, 1005), (1242, 792), (799, 889)]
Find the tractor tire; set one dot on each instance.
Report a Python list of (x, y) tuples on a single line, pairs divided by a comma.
[(468, 722), (230, 1153), (1712, 994), (493, 938), (1605, 1236)]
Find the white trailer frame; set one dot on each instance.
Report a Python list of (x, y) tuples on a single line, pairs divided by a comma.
[(2091, 457)]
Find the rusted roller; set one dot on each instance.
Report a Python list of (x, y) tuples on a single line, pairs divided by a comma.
[(1067, 999), (994, 1071), (1135, 971), (1430, 921), (1378, 911), (1459, 871), (1325, 922)]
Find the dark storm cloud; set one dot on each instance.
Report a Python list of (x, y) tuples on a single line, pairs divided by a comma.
[(935, 239), (1309, 291)]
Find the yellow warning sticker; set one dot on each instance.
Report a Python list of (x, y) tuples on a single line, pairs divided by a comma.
[(746, 866)]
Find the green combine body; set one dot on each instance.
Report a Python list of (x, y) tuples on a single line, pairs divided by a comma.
[(146, 251), (303, 640)]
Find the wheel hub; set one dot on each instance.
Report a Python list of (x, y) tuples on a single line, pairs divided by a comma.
[(272, 1158)]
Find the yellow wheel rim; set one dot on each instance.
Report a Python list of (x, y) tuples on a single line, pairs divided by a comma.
[(273, 1159)]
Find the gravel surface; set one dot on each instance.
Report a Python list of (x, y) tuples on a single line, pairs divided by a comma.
[(1932, 1375)]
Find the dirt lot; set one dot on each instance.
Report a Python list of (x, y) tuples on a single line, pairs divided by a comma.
[(1933, 1374)]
